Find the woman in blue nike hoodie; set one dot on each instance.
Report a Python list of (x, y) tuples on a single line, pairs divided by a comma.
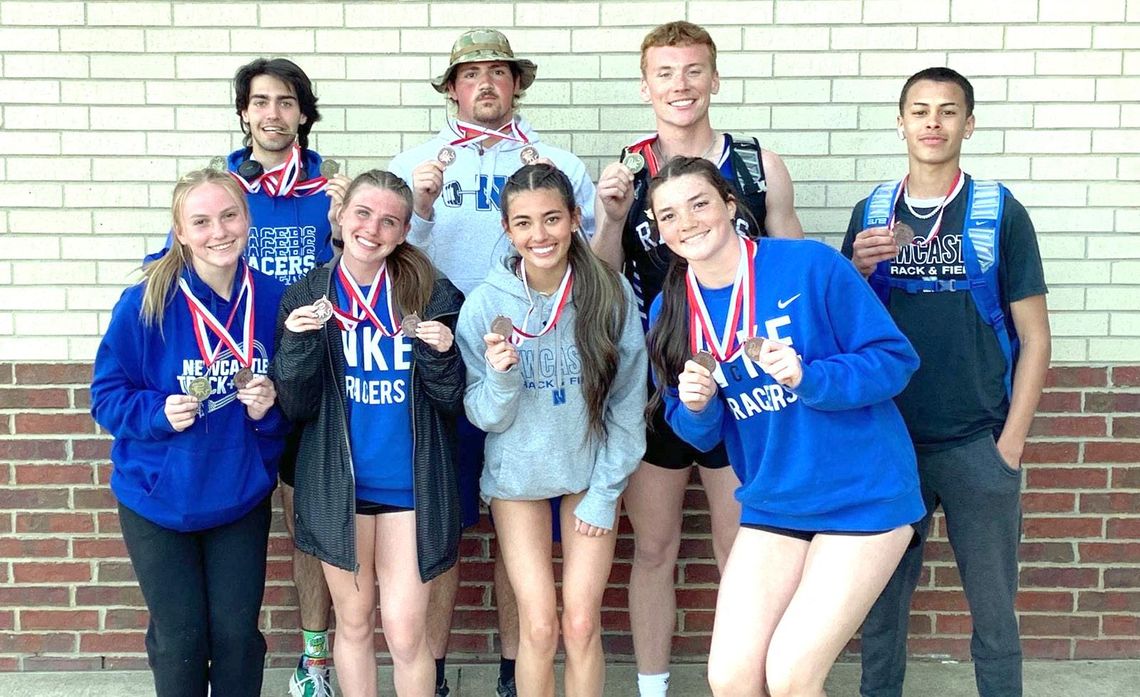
[(181, 382), (829, 485)]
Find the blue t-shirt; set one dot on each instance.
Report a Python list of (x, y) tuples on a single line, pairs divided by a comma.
[(377, 388)]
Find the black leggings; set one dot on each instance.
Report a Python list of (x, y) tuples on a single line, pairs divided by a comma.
[(203, 590)]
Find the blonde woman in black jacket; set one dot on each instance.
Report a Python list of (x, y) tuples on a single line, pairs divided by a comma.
[(367, 363)]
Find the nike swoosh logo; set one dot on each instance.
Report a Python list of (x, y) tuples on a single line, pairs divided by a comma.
[(784, 303)]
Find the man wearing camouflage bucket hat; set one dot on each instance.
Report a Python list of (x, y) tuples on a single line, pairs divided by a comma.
[(456, 178)]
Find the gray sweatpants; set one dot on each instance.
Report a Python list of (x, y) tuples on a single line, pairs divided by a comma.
[(981, 498)]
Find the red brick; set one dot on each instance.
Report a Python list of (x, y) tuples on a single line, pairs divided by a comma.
[(1059, 403), (1110, 503), (1038, 452), (33, 596), (1055, 649), (947, 577), (1112, 452), (920, 624), (38, 547), (1126, 426), (112, 641), (53, 373), (1055, 426), (1122, 578), (1121, 625), (81, 398), (1115, 601), (94, 499), (54, 423), (101, 548), (1109, 552), (1107, 648), (140, 662), (23, 449), (953, 625), (1054, 528), (701, 573), (103, 596), (1126, 477), (107, 523), (125, 619), (33, 398), (1045, 601), (55, 572), (6, 373), (953, 601), (1126, 375), (697, 620), (26, 642), (1048, 502), (55, 473), (80, 620), (114, 572), (57, 664), (90, 449), (1076, 376), (54, 522), (1059, 577), (1059, 625), (692, 645), (1056, 552), (1124, 528), (32, 498), (1112, 402)]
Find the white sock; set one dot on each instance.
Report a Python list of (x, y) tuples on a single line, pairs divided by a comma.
[(653, 685)]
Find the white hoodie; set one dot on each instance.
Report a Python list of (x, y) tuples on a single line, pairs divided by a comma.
[(465, 237)]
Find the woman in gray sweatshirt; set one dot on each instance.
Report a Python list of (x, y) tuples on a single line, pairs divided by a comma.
[(556, 371)]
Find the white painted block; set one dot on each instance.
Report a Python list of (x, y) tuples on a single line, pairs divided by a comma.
[(41, 13)]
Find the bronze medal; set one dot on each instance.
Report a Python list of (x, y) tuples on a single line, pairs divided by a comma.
[(903, 234), (199, 388), (446, 155), (409, 325), (529, 155), (752, 348), (503, 326), (242, 378), (330, 168), (705, 360), (634, 162), (323, 310)]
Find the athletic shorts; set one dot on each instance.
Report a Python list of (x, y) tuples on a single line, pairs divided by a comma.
[(666, 449), (809, 535), (287, 470), (369, 508)]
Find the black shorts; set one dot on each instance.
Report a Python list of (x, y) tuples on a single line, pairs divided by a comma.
[(664, 448), (287, 469), (369, 508), (809, 535)]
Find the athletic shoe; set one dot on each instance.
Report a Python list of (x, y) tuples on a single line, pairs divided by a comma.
[(311, 679), (506, 689)]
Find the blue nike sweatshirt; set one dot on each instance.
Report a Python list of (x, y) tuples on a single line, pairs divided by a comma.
[(832, 454), (288, 235), (224, 464)]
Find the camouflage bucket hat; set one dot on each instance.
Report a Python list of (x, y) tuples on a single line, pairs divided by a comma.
[(479, 45)]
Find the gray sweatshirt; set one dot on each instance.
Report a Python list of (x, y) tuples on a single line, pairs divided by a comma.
[(535, 414)]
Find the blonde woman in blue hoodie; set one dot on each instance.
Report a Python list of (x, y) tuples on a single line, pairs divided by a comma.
[(556, 371)]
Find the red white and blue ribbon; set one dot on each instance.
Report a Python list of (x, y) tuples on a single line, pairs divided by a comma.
[(284, 179), (363, 307), (561, 297), (471, 133), (725, 345), (205, 324)]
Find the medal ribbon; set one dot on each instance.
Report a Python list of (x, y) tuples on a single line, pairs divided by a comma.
[(742, 305), (561, 297), (363, 308), (937, 227), (283, 180), (470, 133), (204, 321)]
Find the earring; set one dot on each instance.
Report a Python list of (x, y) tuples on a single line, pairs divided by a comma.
[(902, 136)]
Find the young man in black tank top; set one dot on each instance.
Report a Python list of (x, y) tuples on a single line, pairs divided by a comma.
[(678, 78)]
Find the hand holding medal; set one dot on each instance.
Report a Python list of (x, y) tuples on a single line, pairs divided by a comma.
[(695, 384), (435, 334), (258, 396), (501, 354), (427, 182), (309, 318), (782, 362), (181, 410)]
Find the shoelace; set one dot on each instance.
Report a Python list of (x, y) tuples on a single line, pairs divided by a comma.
[(319, 678)]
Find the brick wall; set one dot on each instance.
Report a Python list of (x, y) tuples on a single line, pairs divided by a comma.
[(68, 599)]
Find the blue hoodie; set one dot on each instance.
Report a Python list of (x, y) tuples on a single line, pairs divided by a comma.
[(832, 454), (224, 464), (288, 235)]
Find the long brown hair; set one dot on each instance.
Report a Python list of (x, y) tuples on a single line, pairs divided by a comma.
[(413, 275), (668, 339), (161, 275), (599, 300)]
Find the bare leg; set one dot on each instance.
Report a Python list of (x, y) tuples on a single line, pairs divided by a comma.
[(508, 609), (653, 501), (441, 607), (403, 604), (586, 563), (354, 649), (313, 599), (525, 545), (724, 510)]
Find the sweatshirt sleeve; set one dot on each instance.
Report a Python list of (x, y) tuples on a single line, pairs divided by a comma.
[(121, 402), (875, 361), (624, 445), (492, 398), (701, 429), (298, 360)]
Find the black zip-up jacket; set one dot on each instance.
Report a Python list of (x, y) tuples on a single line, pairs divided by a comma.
[(309, 372)]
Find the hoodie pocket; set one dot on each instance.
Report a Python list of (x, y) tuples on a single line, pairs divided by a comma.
[(210, 486)]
